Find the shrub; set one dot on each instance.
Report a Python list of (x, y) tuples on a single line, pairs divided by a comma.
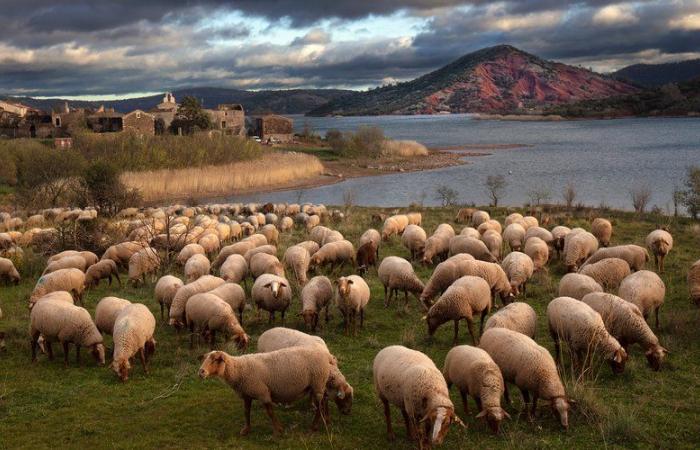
[(446, 195), (691, 196), (640, 197), (495, 186), (403, 148)]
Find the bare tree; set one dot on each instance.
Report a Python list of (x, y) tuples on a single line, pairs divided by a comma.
[(349, 199), (446, 195), (569, 195), (640, 198), (539, 195), (495, 186)]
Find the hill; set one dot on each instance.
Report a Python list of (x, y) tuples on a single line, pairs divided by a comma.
[(294, 101), (655, 75), (501, 79)]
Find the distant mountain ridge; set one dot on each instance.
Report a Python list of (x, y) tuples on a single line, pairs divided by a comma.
[(294, 101), (655, 75), (501, 79)]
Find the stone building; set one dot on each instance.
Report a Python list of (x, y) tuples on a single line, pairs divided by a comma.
[(105, 120), (15, 108), (272, 128), (229, 119), (65, 118), (165, 110), (140, 122)]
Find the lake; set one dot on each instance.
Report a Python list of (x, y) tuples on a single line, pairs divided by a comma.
[(603, 159)]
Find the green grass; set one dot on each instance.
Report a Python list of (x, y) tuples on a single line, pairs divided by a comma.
[(47, 405)]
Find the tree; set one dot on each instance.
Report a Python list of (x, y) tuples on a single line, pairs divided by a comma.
[(446, 195), (190, 117), (495, 186), (569, 195), (691, 196), (105, 190), (538, 195), (640, 198)]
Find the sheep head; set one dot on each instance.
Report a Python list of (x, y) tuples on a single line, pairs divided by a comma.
[(121, 368), (440, 418), (494, 416), (655, 356), (98, 352), (309, 317), (275, 287), (561, 406), (214, 364), (344, 286), (343, 399), (618, 360)]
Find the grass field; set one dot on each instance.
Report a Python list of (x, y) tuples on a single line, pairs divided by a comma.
[(46, 405)]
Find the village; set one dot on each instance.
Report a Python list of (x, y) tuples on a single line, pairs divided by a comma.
[(21, 121)]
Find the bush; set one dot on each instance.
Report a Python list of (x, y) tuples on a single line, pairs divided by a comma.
[(367, 142), (104, 189), (403, 148), (691, 196)]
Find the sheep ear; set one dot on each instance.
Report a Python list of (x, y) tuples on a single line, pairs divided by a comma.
[(665, 350), (459, 421), (341, 394), (351, 282), (505, 413), (284, 285), (481, 414), (267, 285), (424, 318)]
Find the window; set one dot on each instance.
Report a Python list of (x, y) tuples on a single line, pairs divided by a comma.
[(138, 114), (58, 121), (223, 124)]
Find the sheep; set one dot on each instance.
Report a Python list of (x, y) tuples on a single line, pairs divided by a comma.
[(530, 367), (297, 258), (694, 282), (559, 235), (538, 251), (197, 266), (625, 322), (464, 215), (56, 320), (397, 274), (239, 248), (133, 333), (490, 224), (333, 254), (370, 235), (165, 290), (474, 247), (268, 249), (121, 253), (516, 316), (512, 218), (261, 263), (577, 285), (464, 299), (105, 268), (492, 273), (541, 233), (8, 272), (437, 245), (474, 373), (69, 280), (68, 262), (271, 233), (519, 269), (106, 313), (286, 224), (332, 236), (414, 218), (353, 297), (602, 229), (394, 225), (142, 263), (367, 256), (660, 242), (514, 235), (271, 293), (494, 242), (234, 269), (646, 290), (189, 251), (176, 313), (578, 247), (281, 376), (312, 221), (409, 380), (470, 231), (479, 217), (310, 246), (444, 274), (208, 314), (608, 272), (635, 255), (582, 328), (413, 238), (234, 295)]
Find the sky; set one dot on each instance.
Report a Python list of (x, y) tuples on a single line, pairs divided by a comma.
[(124, 48)]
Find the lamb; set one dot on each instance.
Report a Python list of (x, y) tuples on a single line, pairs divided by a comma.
[(538, 251), (479, 217), (660, 242), (271, 233), (263, 263), (514, 235), (197, 266), (578, 247), (582, 328), (577, 286), (519, 269), (367, 256), (105, 268), (474, 373), (177, 307), (464, 215), (334, 254), (281, 376), (635, 255), (267, 249), (8, 272), (625, 322), (56, 320), (646, 290), (68, 262), (121, 253), (234, 269), (474, 247), (694, 282), (559, 235), (516, 316), (133, 333), (107, 311), (529, 366), (234, 295), (608, 272), (494, 242), (272, 293), (297, 258), (353, 296), (189, 251), (464, 299), (602, 229), (413, 238), (397, 274), (316, 295), (208, 313), (142, 263), (409, 380), (165, 290), (69, 280)]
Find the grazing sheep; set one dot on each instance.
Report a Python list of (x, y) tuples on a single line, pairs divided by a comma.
[(272, 293), (582, 328), (444, 274), (694, 282), (541, 233), (519, 269), (474, 373), (516, 316), (142, 263), (270, 232), (602, 229), (464, 215), (234, 269), (479, 217), (409, 380), (646, 290), (165, 290), (577, 286), (513, 218), (370, 235), (234, 295), (197, 266), (105, 268), (367, 256), (529, 366), (297, 258), (121, 253), (635, 255), (316, 295), (471, 232), (286, 224), (69, 280), (333, 254), (261, 263), (413, 238), (310, 246), (494, 242), (267, 249), (390, 228), (332, 236), (189, 251), (514, 235), (578, 247), (490, 224), (414, 218), (312, 221), (436, 246), (353, 296), (660, 242), (8, 272), (177, 307), (56, 320), (559, 235), (133, 333), (281, 376), (471, 246), (67, 262), (538, 251), (208, 313), (625, 322), (239, 248), (608, 272), (464, 299), (106, 313), (397, 274)]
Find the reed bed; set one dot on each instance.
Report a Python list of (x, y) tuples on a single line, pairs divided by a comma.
[(403, 148), (274, 169)]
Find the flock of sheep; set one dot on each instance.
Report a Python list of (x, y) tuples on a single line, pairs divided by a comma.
[(471, 276)]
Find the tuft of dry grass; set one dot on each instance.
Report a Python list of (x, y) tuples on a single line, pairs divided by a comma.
[(273, 169), (403, 148)]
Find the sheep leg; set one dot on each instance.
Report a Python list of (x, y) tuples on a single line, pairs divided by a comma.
[(535, 397), (192, 335), (506, 394), (65, 353), (362, 318), (49, 350), (410, 429), (246, 403), (35, 338), (526, 400), (470, 324), (656, 262), (240, 314), (387, 417), (481, 325), (656, 313), (456, 333), (283, 311), (276, 425), (142, 355), (116, 275), (212, 341), (272, 318), (161, 311), (465, 401), (386, 301), (661, 263), (77, 354), (405, 300), (326, 314), (477, 400)]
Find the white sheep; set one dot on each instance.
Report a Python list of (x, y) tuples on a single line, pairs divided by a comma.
[(602, 229), (577, 285), (397, 274), (208, 313), (490, 224), (559, 235), (142, 263), (165, 290), (578, 247), (271, 233), (538, 251), (494, 242), (519, 268), (8, 272), (196, 267), (479, 217), (660, 242), (239, 248), (234, 295), (413, 238), (370, 235), (353, 297), (133, 333), (267, 249), (394, 225), (334, 254), (470, 231), (234, 269), (608, 272), (316, 295), (646, 290), (67, 262), (436, 246), (122, 252), (189, 251), (635, 255), (105, 268), (262, 263), (69, 280), (177, 307), (471, 246), (297, 258), (106, 313), (516, 316), (444, 274), (271, 293)]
